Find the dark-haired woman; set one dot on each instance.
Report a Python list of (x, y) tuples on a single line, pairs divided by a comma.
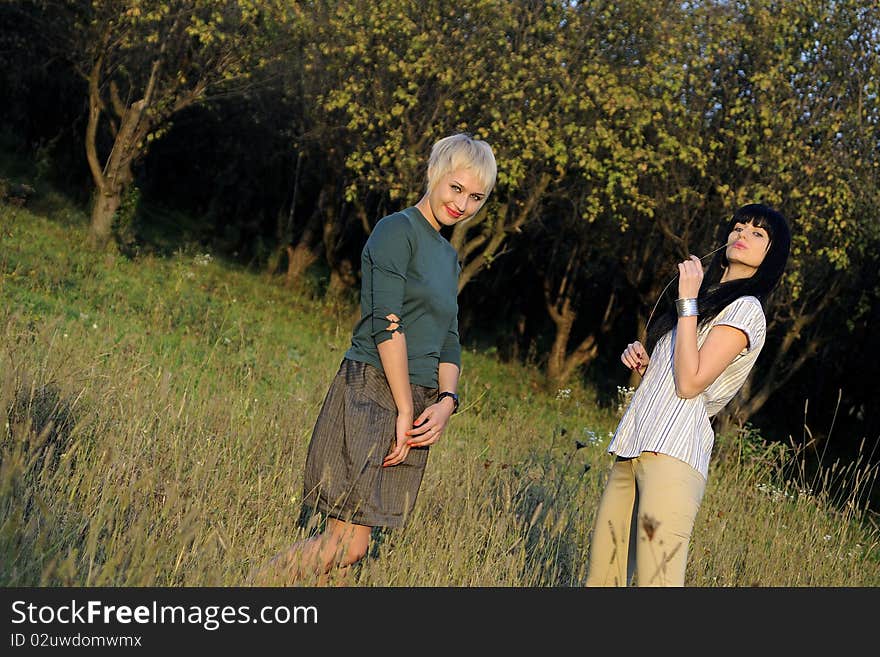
[(701, 352)]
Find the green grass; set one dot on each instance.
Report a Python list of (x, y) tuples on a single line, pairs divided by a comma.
[(157, 414)]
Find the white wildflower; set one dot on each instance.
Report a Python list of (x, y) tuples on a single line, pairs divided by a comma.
[(592, 438), (624, 395)]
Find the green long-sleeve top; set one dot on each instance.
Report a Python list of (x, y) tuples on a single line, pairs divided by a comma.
[(409, 270)]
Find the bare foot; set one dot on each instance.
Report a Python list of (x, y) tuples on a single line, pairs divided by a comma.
[(287, 567)]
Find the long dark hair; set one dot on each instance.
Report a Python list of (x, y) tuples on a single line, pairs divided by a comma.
[(715, 295)]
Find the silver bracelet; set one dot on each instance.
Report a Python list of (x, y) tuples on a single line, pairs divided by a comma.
[(686, 307)]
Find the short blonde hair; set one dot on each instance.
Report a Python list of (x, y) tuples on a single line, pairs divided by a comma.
[(461, 151)]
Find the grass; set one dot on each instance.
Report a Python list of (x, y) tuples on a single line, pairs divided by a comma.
[(158, 410)]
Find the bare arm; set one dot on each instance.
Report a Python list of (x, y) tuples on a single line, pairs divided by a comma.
[(395, 363), (695, 368), (448, 375)]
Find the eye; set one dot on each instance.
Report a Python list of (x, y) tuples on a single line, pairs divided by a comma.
[(477, 197), (758, 233), (737, 229), (456, 188)]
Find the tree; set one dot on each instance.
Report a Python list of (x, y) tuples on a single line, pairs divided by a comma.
[(399, 76), (770, 102), (812, 69), (145, 61)]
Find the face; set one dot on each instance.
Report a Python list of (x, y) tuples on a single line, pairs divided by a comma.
[(747, 246), (457, 196)]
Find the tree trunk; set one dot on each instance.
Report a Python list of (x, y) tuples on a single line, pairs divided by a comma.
[(342, 278), (299, 259), (112, 180), (304, 254), (342, 272), (561, 365), (564, 319), (103, 213), (519, 340), (129, 125)]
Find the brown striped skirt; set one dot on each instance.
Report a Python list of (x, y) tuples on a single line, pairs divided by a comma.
[(355, 430)]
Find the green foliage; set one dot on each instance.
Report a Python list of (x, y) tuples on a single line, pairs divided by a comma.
[(532, 80)]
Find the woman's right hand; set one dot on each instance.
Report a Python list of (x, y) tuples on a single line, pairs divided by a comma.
[(635, 357), (400, 447)]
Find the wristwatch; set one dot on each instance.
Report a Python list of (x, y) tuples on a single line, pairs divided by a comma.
[(454, 399)]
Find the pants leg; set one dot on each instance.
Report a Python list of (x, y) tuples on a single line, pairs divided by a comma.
[(670, 493), (612, 550)]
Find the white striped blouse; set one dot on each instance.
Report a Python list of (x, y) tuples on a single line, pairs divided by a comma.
[(658, 420)]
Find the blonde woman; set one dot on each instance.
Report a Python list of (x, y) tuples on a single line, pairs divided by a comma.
[(396, 387)]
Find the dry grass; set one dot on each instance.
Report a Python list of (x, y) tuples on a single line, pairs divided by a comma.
[(157, 415)]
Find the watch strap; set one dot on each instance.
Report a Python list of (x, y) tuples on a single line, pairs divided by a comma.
[(454, 397)]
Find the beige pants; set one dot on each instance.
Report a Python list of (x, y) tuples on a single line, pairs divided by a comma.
[(660, 496)]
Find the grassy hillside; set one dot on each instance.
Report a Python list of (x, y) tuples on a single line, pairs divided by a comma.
[(157, 414)]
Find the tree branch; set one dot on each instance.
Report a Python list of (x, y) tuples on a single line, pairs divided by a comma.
[(95, 109)]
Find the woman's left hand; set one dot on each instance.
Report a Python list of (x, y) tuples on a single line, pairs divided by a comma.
[(429, 425), (690, 277)]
